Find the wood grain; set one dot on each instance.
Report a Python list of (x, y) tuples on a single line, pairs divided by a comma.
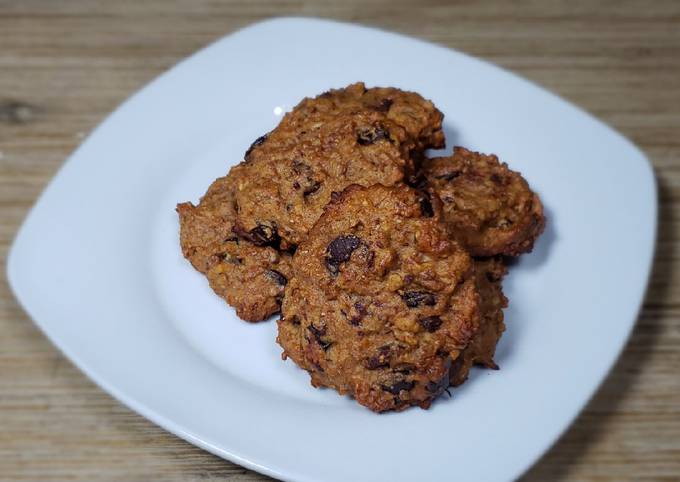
[(64, 65)]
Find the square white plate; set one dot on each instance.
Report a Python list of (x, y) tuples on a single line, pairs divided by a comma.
[(98, 267)]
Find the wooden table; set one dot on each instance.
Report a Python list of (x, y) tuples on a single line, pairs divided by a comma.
[(64, 65)]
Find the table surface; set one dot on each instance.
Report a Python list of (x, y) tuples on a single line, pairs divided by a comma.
[(64, 65)]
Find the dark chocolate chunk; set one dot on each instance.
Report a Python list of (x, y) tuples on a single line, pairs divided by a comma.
[(413, 299), (431, 323), (276, 277), (258, 142), (339, 251)]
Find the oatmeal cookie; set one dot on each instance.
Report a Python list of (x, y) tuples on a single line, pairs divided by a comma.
[(489, 208), (347, 136), (381, 303), (489, 274), (251, 278)]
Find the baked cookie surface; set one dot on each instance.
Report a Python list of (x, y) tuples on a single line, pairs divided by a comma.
[(489, 208), (381, 303), (489, 274), (249, 277), (347, 136)]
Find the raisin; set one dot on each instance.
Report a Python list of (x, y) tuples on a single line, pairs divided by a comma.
[(262, 235), (361, 313), (413, 299), (431, 323), (417, 181), (258, 142), (339, 251), (371, 135), (404, 368), (426, 205), (311, 189), (276, 276), (318, 334), (380, 359), (397, 387), (384, 105)]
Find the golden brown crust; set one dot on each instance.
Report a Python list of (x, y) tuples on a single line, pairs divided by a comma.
[(381, 301), (489, 207), (346, 136), (489, 274), (250, 278)]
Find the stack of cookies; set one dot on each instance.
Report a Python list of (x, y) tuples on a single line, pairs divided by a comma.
[(385, 266)]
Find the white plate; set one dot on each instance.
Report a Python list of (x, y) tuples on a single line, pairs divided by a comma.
[(97, 263)]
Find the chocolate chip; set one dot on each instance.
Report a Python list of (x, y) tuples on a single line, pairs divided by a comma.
[(449, 176), (370, 135), (426, 205), (318, 334), (258, 142), (262, 235), (431, 323), (413, 299), (339, 251), (276, 277), (397, 387)]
